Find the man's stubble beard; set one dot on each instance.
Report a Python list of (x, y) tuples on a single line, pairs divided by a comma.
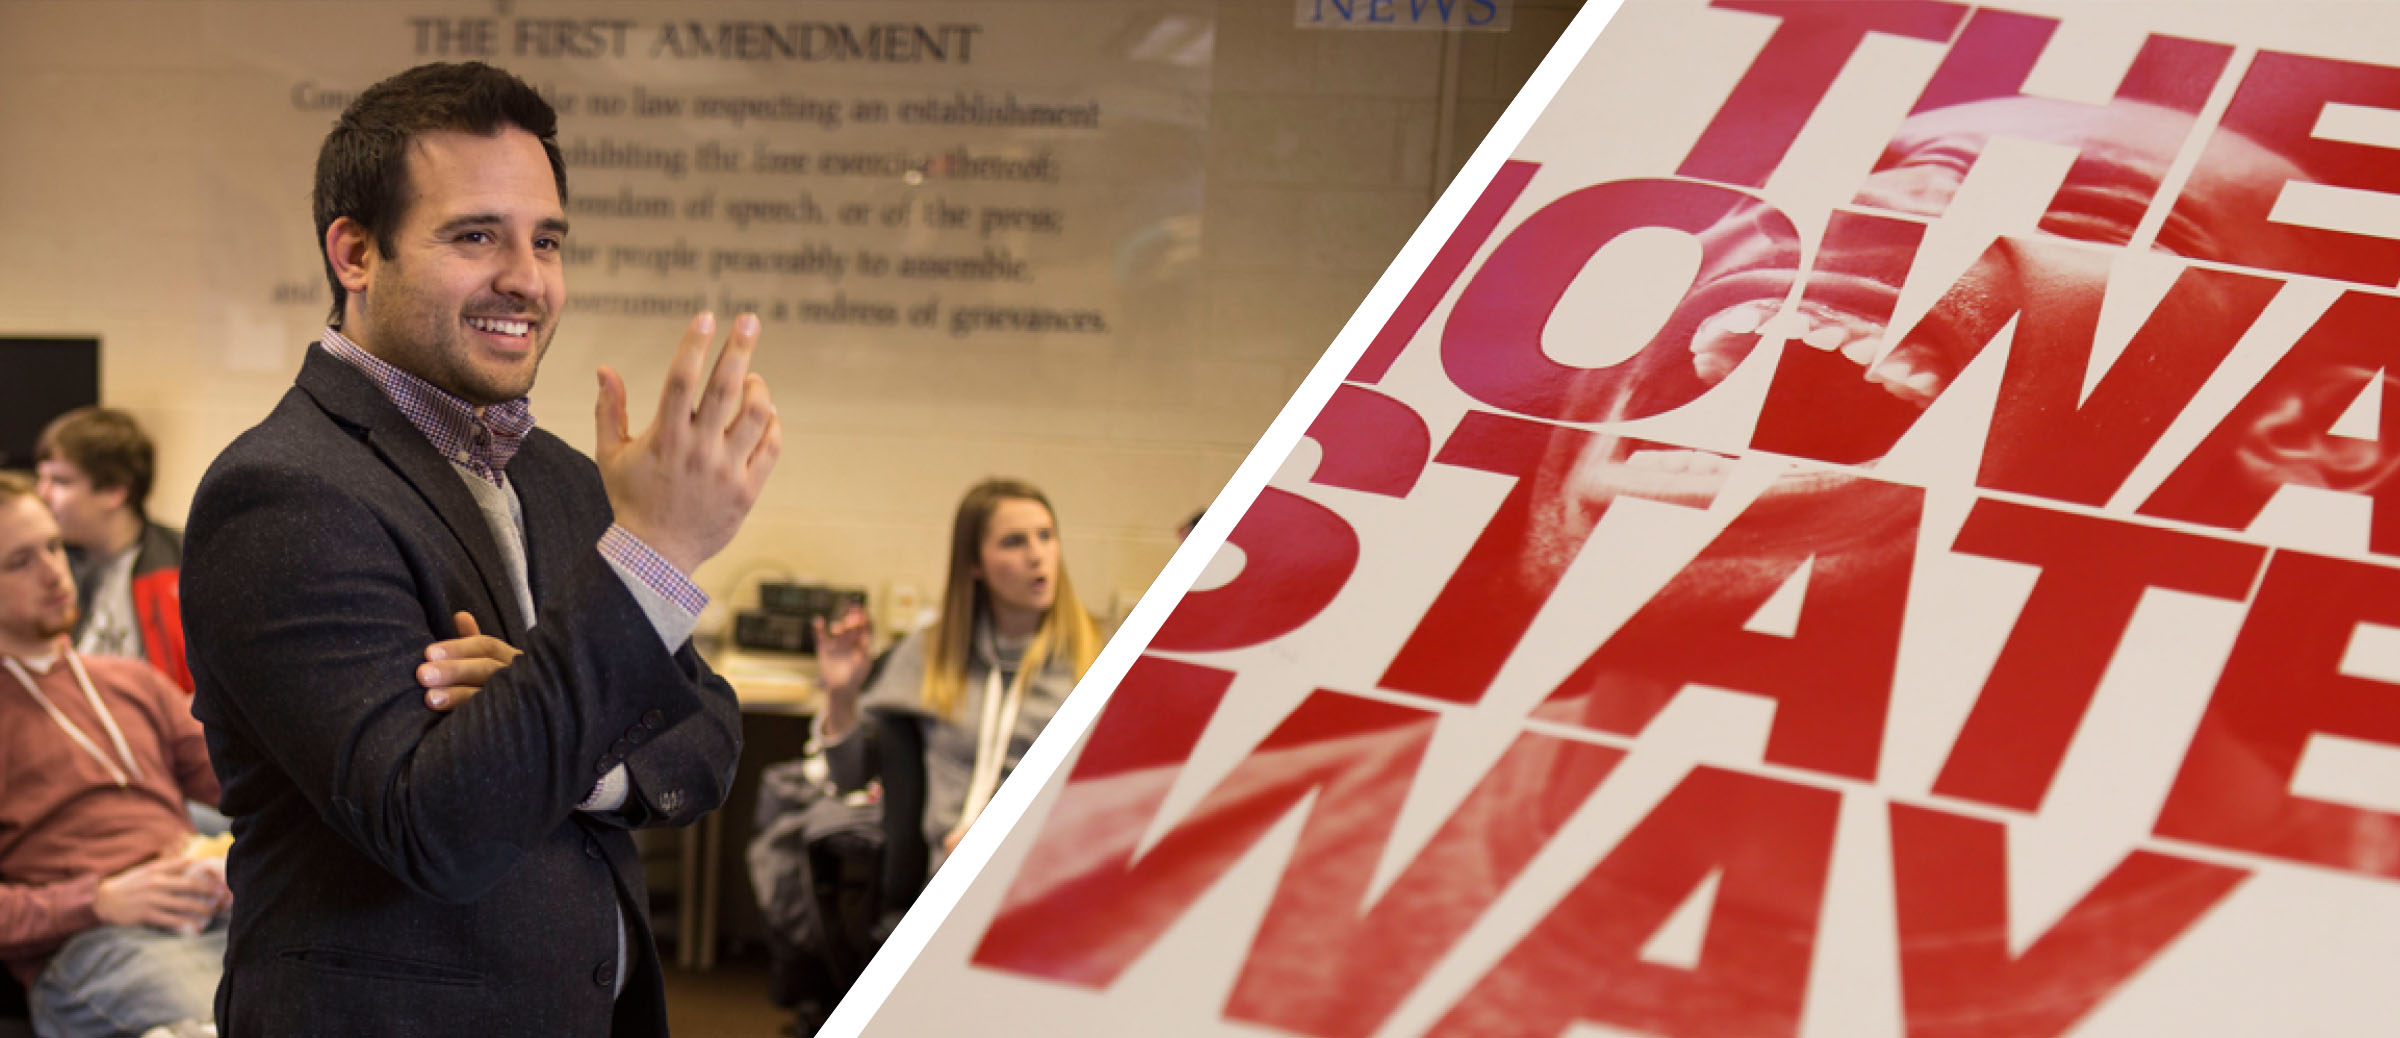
[(44, 629), (429, 341)]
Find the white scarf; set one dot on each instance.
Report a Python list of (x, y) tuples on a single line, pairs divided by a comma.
[(995, 730)]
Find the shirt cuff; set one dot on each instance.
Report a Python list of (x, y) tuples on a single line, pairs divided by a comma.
[(668, 598), (608, 794)]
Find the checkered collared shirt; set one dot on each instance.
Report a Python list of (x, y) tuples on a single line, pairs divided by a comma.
[(481, 440)]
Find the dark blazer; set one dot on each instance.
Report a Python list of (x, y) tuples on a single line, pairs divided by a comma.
[(397, 871)]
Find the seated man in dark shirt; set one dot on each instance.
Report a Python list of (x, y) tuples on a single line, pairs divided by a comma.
[(95, 466)]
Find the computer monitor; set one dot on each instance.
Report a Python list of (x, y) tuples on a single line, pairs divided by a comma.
[(40, 379)]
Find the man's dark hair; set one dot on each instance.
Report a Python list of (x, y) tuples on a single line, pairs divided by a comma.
[(108, 445), (362, 169)]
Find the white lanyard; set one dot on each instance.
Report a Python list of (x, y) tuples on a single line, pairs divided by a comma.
[(116, 735), (999, 727)]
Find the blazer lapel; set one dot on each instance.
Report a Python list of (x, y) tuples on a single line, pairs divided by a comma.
[(349, 396)]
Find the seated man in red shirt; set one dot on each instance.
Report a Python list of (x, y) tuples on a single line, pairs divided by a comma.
[(109, 913)]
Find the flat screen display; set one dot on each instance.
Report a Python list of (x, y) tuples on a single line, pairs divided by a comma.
[(39, 380)]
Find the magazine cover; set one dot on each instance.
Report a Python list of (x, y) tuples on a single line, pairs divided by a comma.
[(1867, 519)]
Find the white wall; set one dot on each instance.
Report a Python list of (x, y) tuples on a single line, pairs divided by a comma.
[(154, 193)]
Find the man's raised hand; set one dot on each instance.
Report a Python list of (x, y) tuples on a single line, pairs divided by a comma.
[(685, 484), (843, 656)]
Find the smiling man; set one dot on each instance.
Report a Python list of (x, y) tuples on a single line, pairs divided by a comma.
[(456, 861)]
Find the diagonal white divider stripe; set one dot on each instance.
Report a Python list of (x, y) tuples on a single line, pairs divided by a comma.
[(1041, 763)]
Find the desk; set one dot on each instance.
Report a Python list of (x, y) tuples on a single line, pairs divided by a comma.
[(769, 682), (779, 693)]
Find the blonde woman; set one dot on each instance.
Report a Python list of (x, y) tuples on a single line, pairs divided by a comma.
[(955, 705)]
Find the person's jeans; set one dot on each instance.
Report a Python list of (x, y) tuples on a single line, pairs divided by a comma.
[(124, 980)]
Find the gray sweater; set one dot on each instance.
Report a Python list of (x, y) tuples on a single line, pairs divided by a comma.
[(949, 741)]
